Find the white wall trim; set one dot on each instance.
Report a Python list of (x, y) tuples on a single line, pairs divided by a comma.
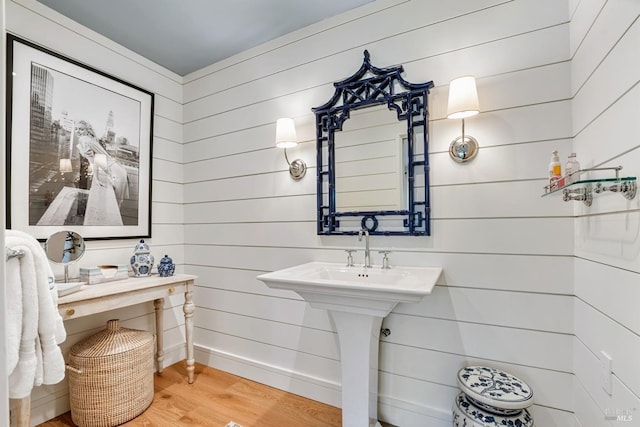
[(271, 375), (425, 410)]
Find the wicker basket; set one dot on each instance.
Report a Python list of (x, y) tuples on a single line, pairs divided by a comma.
[(111, 376)]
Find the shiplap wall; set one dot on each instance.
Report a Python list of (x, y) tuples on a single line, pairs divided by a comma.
[(35, 22), (506, 296), (605, 36)]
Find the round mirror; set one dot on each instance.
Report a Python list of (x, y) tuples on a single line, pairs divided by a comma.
[(64, 247)]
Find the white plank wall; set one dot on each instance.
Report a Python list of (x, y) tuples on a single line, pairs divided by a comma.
[(605, 74), (32, 21), (506, 296)]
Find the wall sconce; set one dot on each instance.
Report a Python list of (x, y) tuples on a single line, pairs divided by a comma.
[(65, 166), (286, 138), (463, 102)]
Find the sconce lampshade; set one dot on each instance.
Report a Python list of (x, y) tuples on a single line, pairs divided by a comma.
[(286, 133), (65, 165), (463, 98)]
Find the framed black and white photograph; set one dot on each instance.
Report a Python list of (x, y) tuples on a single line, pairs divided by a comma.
[(79, 146)]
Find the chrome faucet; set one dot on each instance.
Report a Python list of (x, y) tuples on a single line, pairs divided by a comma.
[(367, 255)]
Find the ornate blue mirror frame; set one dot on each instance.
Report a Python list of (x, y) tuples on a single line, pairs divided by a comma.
[(368, 87)]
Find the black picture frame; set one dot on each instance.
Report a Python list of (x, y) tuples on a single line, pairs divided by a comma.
[(79, 147)]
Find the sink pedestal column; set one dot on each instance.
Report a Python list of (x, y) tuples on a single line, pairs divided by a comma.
[(358, 335)]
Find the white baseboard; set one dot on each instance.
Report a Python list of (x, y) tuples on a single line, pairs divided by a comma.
[(429, 412), (314, 388), (174, 354), (390, 409)]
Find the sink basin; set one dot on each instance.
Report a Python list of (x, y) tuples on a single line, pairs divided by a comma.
[(374, 290), (357, 299)]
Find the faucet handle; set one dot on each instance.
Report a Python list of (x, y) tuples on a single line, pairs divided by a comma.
[(385, 259), (350, 257)]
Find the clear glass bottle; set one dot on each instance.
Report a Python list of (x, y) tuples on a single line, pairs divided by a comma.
[(572, 169)]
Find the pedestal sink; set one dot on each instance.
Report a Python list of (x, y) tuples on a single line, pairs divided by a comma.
[(357, 299)]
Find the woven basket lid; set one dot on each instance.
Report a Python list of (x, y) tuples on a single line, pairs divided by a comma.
[(494, 387), (110, 341)]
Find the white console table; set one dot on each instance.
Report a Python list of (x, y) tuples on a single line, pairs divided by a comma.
[(92, 299)]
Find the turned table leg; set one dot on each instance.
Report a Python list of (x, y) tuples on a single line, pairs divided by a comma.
[(159, 311), (189, 309)]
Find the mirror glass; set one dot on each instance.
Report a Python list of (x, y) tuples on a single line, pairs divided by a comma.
[(370, 168), (64, 247), (371, 141)]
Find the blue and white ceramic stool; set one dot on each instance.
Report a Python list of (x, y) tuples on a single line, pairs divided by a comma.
[(491, 398)]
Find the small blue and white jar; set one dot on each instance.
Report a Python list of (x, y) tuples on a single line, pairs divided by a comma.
[(166, 267), (142, 260)]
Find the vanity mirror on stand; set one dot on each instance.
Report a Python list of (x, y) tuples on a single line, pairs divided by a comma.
[(65, 247), (372, 155)]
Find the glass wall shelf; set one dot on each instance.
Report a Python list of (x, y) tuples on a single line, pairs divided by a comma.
[(583, 189)]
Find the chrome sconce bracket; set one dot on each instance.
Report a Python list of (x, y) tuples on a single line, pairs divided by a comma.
[(297, 168), (463, 150)]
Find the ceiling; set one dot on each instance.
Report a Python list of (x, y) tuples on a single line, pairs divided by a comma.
[(187, 35)]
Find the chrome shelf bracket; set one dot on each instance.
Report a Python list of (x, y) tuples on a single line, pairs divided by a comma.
[(627, 188), (582, 194)]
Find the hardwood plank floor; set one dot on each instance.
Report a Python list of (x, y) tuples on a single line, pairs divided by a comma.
[(216, 398)]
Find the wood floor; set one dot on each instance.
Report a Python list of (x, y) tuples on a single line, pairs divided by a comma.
[(216, 398)]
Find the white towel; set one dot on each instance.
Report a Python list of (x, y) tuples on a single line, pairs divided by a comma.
[(13, 317), (22, 378), (39, 308), (46, 280)]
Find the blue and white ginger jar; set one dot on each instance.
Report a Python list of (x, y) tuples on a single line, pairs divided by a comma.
[(142, 260), (166, 267)]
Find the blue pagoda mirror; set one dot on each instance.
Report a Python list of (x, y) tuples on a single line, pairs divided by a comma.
[(372, 155)]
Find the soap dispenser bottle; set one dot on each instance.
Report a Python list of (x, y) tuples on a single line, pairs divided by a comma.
[(555, 170)]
